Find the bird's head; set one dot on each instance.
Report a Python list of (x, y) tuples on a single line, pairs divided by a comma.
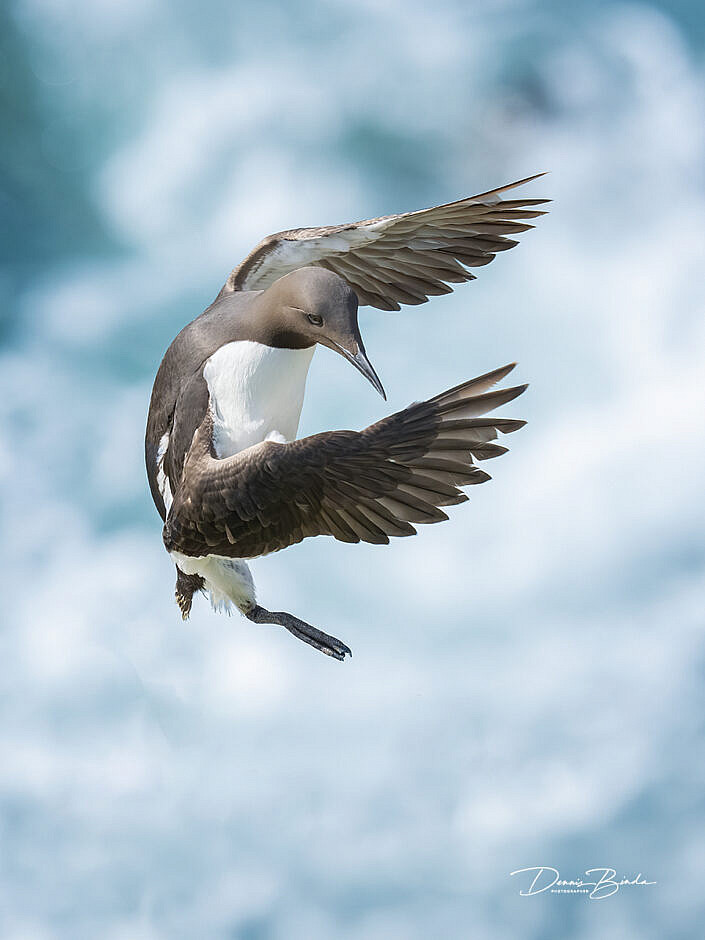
[(312, 305)]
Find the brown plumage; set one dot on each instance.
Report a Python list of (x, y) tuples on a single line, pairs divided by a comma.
[(354, 485)]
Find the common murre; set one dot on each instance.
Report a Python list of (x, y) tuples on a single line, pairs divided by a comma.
[(228, 476)]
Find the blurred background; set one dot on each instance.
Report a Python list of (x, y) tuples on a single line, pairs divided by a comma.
[(528, 681)]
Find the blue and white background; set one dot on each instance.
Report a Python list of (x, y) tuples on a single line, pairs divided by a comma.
[(528, 684)]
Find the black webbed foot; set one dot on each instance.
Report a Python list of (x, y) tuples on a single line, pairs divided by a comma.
[(303, 631)]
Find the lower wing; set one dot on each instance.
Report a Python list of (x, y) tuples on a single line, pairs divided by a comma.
[(354, 485)]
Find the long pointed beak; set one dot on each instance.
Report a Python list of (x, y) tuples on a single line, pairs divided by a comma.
[(362, 364)]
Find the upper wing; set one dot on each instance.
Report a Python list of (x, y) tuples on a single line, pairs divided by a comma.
[(396, 259), (354, 485)]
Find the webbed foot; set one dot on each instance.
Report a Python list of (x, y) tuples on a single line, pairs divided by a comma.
[(303, 631)]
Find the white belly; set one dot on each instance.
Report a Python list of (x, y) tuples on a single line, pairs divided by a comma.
[(256, 394), (228, 580)]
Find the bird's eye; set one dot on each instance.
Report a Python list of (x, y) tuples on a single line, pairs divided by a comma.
[(315, 319)]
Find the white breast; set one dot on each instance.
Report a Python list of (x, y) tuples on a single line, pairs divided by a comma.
[(256, 394)]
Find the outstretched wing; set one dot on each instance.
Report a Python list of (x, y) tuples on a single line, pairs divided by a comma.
[(354, 485), (397, 259)]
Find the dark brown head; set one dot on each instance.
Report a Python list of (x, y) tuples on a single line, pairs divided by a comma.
[(312, 305)]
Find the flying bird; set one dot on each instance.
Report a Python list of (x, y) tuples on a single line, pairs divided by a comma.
[(227, 474)]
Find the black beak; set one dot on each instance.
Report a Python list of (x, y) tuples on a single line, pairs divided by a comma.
[(362, 364)]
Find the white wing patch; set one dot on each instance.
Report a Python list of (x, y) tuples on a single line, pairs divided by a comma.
[(162, 478), (293, 253)]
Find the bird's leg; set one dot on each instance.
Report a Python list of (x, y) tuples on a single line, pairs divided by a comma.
[(304, 631), (186, 587)]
